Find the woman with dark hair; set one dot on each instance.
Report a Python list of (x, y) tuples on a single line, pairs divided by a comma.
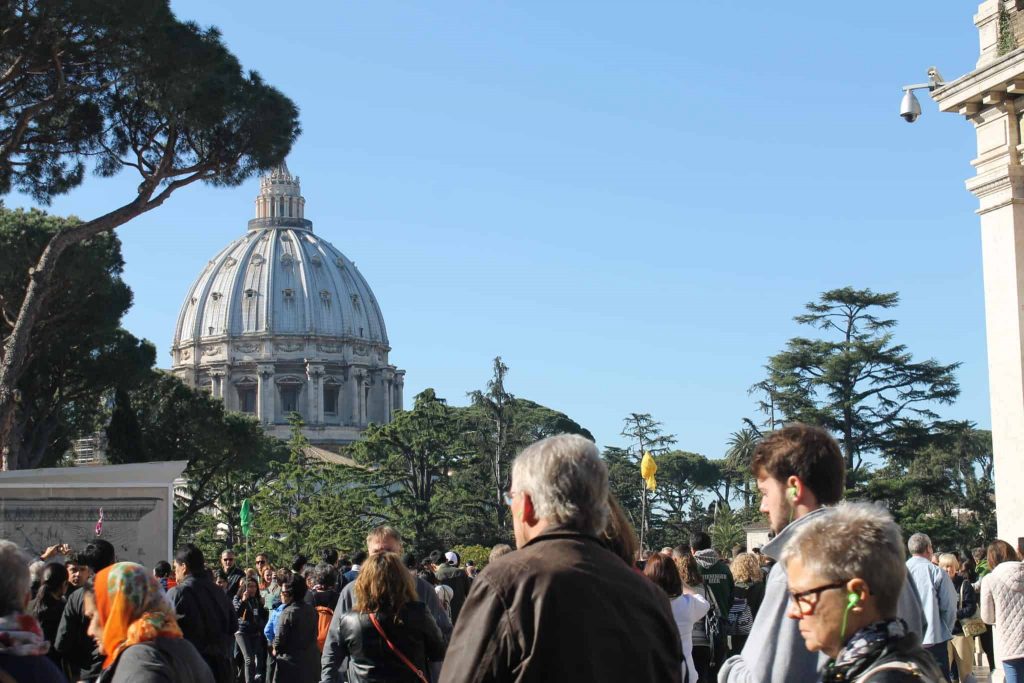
[(389, 635), (294, 648), (693, 583), (687, 608), (48, 605), (1002, 602), (136, 630), (252, 617)]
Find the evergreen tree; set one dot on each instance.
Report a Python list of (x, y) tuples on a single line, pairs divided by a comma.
[(128, 85), (856, 381)]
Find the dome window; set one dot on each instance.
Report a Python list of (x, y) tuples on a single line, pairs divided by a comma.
[(250, 293), (229, 262), (257, 260), (287, 259), (288, 293), (355, 302), (316, 260), (325, 297), (216, 296)]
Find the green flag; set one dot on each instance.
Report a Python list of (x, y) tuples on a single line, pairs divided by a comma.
[(246, 517)]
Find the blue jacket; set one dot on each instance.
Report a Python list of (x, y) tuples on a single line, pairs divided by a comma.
[(938, 599), (268, 630)]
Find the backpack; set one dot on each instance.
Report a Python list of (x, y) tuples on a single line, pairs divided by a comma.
[(712, 620), (740, 617), (324, 615)]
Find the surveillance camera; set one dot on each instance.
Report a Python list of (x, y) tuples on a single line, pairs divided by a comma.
[(910, 108)]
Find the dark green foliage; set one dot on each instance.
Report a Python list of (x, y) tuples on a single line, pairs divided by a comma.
[(410, 462), (856, 381), (944, 487), (128, 85), (78, 353), (228, 454), (125, 81)]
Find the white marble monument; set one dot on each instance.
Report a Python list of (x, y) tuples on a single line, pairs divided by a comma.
[(42, 507)]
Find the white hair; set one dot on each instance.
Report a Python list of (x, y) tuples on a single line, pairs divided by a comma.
[(15, 580), (918, 544), (854, 540), (567, 481)]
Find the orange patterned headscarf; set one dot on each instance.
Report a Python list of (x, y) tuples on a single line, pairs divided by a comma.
[(133, 608)]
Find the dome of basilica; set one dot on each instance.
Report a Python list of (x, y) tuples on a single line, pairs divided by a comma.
[(281, 321)]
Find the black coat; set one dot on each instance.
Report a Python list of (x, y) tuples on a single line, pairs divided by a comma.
[(967, 602), (75, 646), (298, 657), (371, 660), (207, 620), (252, 615)]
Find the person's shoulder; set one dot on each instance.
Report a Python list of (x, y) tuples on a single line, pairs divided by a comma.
[(35, 668)]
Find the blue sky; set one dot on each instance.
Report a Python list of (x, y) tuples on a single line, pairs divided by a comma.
[(627, 201)]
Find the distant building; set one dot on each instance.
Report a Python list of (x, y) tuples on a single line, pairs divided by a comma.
[(281, 321)]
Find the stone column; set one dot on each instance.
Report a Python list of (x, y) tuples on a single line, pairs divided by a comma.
[(217, 381), (353, 397), (388, 397), (399, 384), (989, 98), (264, 394), (315, 377)]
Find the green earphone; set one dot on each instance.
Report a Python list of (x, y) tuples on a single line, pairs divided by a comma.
[(792, 493), (852, 599)]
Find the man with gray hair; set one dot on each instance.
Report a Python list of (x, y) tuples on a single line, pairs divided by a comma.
[(562, 607), (938, 598)]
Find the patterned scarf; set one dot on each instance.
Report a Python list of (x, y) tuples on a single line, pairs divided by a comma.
[(133, 608), (863, 650), (20, 635)]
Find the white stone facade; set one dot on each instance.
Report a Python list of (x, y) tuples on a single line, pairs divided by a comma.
[(992, 98), (281, 321)]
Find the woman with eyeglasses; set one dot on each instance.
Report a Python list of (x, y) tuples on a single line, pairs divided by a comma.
[(846, 571), (294, 646)]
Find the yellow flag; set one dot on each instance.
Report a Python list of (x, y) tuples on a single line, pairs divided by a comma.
[(648, 468)]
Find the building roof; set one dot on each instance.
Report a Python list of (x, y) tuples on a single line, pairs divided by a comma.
[(329, 457)]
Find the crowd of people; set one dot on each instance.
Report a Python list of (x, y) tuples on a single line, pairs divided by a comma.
[(833, 596)]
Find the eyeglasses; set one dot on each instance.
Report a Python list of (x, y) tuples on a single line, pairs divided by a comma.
[(261, 561), (510, 497), (805, 606)]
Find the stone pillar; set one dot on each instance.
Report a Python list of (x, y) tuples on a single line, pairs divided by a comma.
[(989, 97), (315, 384), (265, 394), (399, 384), (388, 397), (217, 380), (353, 397)]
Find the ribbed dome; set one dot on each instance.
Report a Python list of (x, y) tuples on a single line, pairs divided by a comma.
[(280, 279)]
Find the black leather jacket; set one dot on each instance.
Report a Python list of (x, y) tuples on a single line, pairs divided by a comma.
[(370, 660)]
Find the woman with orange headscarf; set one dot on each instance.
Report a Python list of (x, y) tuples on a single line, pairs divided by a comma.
[(135, 629)]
